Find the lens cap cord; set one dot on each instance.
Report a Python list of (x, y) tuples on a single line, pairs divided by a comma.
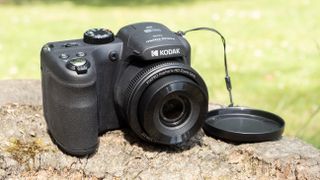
[(227, 77), (235, 123)]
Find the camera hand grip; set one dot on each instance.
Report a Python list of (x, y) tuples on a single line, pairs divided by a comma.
[(71, 115)]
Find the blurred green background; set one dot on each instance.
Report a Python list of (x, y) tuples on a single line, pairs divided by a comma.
[(273, 46)]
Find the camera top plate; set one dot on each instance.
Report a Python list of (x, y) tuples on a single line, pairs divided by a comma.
[(151, 41)]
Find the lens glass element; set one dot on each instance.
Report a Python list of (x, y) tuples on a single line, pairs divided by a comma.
[(174, 110)]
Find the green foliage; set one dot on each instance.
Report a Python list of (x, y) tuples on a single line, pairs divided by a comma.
[(273, 46), (100, 2)]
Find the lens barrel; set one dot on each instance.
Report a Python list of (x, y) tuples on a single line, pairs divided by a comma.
[(166, 103)]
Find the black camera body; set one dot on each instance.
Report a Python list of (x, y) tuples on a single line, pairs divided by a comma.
[(139, 78)]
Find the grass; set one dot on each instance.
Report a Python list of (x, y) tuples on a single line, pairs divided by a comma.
[(273, 46)]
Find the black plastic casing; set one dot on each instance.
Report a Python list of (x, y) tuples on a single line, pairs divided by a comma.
[(79, 107)]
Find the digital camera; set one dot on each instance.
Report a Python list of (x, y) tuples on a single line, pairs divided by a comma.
[(140, 78)]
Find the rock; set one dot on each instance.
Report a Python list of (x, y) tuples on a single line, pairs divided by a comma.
[(26, 151), (22, 91)]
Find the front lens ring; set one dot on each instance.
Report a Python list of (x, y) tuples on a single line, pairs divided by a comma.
[(150, 107), (148, 76)]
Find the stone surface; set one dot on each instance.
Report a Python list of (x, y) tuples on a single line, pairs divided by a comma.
[(26, 151), (22, 91)]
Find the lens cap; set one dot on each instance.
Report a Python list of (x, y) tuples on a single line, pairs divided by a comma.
[(241, 124)]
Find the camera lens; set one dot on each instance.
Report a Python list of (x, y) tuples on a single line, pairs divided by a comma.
[(165, 103), (173, 111)]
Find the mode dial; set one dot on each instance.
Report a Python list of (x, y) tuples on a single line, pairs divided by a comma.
[(98, 36)]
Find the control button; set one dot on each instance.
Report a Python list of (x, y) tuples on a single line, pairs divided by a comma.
[(80, 65), (113, 55), (80, 54), (71, 44), (98, 36), (64, 56)]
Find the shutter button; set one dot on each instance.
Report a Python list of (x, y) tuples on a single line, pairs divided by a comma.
[(80, 65)]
